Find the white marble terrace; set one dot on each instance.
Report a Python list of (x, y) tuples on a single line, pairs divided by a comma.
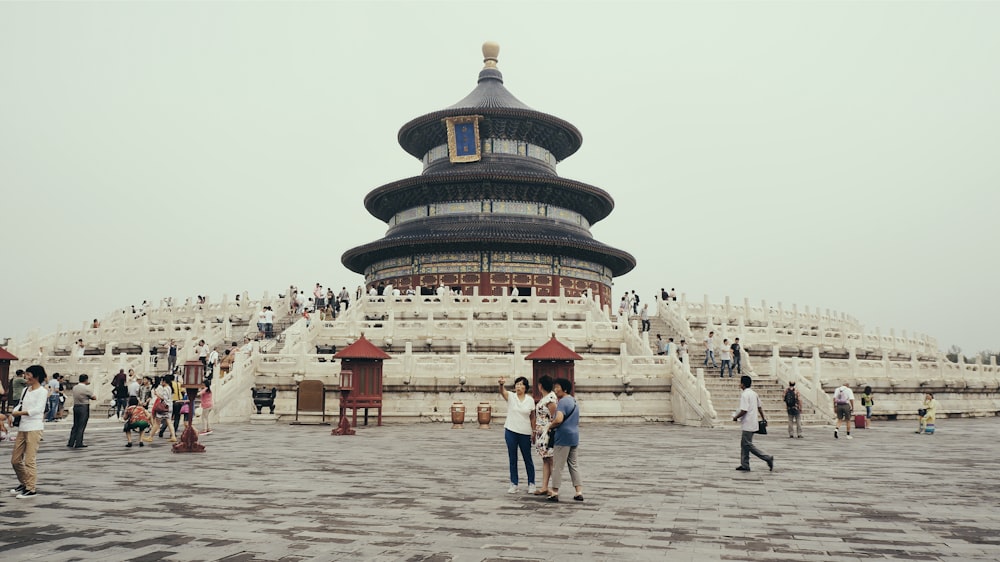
[(453, 348)]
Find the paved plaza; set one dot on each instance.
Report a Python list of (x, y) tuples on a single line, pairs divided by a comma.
[(429, 493)]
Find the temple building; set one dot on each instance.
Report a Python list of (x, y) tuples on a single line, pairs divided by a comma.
[(489, 213)]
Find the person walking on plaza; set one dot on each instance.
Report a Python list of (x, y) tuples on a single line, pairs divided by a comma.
[(82, 395), (750, 409), (162, 406), (207, 400), (927, 413), (709, 351), (29, 417), (567, 439), (867, 401), (545, 410), (793, 404), (17, 387), (518, 430), (177, 403), (725, 354), (54, 389), (843, 405), (737, 356), (136, 418)]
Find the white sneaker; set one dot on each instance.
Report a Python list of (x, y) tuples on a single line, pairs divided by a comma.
[(512, 489), (531, 489), (849, 436)]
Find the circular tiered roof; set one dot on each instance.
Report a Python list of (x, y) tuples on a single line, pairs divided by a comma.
[(456, 234), (491, 176), (593, 203), (504, 116)]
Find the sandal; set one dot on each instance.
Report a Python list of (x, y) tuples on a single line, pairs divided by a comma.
[(554, 498), (541, 492)]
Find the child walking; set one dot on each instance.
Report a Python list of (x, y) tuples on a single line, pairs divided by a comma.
[(206, 407), (867, 401)]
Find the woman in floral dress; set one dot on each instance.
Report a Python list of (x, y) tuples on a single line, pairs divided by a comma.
[(544, 412)]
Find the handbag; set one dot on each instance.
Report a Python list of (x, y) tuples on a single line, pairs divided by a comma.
[(922, 412), (762, 427), (16, 422), (160, 407)]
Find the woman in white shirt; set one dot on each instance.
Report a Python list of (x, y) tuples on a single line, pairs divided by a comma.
[(518, 429)]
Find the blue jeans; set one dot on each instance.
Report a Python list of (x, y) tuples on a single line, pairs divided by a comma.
[(517, 441), (53, 407), (710, 356), (726, 363)]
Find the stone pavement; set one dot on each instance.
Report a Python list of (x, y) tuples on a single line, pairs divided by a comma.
[(427, 492)]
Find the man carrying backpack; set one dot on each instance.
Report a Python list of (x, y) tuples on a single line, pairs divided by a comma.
[(843, 404), (793, 403)]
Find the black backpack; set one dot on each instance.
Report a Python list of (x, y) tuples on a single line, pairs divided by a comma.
[(790, 400)]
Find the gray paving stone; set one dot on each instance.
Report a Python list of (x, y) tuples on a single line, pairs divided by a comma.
[(426, 492)]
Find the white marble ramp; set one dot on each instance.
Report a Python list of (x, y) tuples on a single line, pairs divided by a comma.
[(427, 492)]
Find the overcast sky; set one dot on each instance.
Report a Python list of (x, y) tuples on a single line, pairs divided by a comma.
[(834, 154)]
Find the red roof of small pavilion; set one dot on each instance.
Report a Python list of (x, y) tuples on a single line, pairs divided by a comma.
[(4, 354), (361, 349), (553, 350)]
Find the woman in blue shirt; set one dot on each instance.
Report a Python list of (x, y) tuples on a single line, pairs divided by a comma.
[(567, 438)]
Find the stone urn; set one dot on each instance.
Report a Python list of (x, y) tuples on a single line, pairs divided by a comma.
[(457, 415), (484, 414)]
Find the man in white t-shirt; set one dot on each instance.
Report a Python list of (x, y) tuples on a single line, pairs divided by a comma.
[(726, 356), (202, 350), (750, 408), (843, 404), (213, 360), (268, 322), (709, 351)]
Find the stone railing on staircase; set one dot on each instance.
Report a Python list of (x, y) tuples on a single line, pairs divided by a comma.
[(810, 388), (690, 399), (232, 401)]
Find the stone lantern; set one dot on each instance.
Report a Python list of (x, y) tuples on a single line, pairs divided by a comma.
[(192, 377), (346, 386)]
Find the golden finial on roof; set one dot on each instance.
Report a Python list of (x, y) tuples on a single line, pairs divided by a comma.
[(491, 49)]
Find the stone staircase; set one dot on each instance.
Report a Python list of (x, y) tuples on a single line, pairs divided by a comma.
[(725, 392)]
